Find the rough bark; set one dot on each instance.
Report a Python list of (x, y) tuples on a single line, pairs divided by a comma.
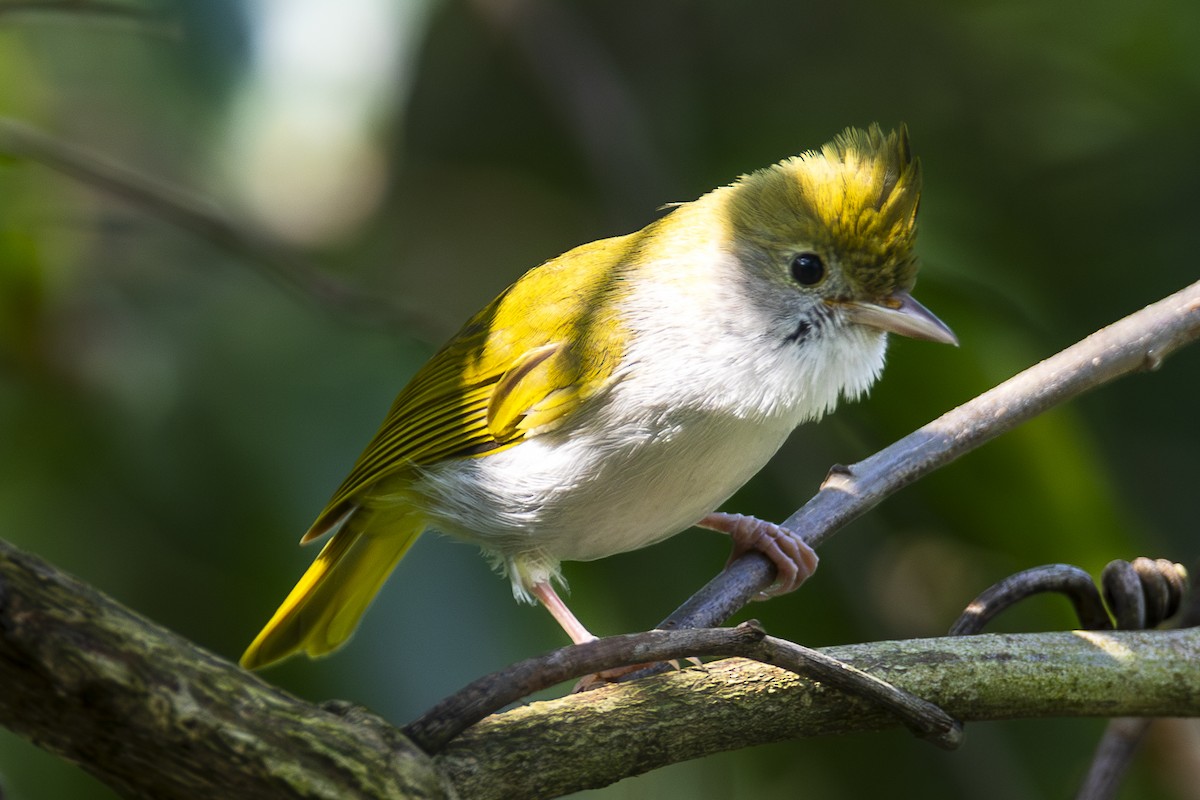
[(591, 740), (154, 716)]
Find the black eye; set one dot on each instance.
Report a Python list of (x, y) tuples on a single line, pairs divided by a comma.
[(807, 269)]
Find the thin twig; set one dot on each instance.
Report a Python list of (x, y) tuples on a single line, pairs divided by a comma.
[(591, 739), (1144, 593), (1122, 736), (76, 7), (1066, 579), (1141, 594), (437, 726), (1136, 343), (138, 18), (155, 717), (205, 219), (1114, 754), (434, 729)]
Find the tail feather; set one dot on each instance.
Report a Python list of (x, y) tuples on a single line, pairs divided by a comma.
[(325, 606)]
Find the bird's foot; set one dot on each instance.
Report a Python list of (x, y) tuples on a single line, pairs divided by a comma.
[(794, 560), (617, 674)]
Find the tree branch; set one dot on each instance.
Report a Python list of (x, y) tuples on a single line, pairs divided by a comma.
[(456, 713), (1139, 342), (1121, 739), (205, 219), (592, 739), (156, 717), (139, 18)]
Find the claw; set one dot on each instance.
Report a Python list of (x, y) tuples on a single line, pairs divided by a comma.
[(617, 674), (794, 560)]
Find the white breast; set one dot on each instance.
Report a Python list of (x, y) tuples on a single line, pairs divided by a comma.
[(701, 404)]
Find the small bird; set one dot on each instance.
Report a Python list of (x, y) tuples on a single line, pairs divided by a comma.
[(620, 393)]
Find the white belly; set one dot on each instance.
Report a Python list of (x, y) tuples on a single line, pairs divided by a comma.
[(685, 425), (577, 496)]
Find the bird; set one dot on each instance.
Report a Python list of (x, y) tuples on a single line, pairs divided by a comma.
[(620, 393)]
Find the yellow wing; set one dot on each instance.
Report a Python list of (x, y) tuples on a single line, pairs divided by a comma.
[(518, 368)]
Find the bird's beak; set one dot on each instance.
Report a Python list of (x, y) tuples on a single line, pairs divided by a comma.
[(901, 314)]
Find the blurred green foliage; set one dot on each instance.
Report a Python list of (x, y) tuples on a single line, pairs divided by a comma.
[(170, 421)]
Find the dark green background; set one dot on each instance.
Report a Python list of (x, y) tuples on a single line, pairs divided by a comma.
[(171, 421)]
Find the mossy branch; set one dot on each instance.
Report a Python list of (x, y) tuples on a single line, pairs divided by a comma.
[(593, 739), (154, 716)]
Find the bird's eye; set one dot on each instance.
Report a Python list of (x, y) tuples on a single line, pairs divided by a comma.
[(808, 269)]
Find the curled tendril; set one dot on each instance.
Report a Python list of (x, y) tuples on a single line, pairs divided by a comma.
[(1139, 594)]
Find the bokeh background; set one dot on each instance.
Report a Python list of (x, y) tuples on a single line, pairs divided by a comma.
[(172, 416)]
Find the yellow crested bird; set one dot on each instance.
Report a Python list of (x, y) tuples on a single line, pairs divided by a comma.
[(618, 394)]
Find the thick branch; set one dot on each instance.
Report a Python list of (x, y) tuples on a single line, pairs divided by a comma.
[(452, 716), (154, 716), (593, 739), (1136, 343)]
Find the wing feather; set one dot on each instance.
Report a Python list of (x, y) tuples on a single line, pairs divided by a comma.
[(503, 377)]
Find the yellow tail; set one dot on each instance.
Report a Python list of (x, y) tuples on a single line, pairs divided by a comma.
[(326, 605)]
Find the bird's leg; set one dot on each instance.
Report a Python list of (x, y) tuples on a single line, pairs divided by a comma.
[(794, 560), (549, 598)]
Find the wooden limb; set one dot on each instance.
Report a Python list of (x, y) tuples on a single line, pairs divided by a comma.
[(1137, 343), (1123, 735), (453, 715), (593, 739), (205, 219), (156, 717), (138, 18)]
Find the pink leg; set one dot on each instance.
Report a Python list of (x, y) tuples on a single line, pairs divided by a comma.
[(794, 560), (558, 609)]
